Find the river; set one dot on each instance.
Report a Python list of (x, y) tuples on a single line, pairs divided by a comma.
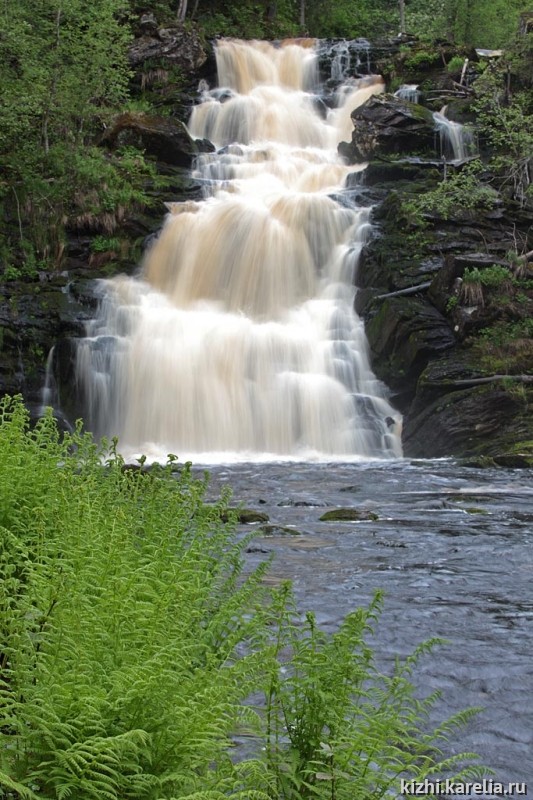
[(452, 549)]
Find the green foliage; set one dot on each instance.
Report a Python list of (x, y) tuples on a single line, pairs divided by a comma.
[(506, 121), (462, 192), (455, 64), (476, 280), (493, 277), (483, 23), (348, 20), (130, 639), (122, 609), (420, 59), (503, 333), (506, 347), (104, 244), (64, 72), (426, 19), (336, 727), (249, 19)]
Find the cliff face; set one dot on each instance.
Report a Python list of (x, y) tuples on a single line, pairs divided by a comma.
[(444, 290)]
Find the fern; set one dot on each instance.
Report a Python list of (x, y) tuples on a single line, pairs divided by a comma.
[(131, 642)]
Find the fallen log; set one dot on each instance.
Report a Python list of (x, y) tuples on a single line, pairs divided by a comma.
[(466, 383), (410, 290)]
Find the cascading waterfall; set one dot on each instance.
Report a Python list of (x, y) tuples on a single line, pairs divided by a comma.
[(239, 339), (456, 141), (409, 92), (349, 56)]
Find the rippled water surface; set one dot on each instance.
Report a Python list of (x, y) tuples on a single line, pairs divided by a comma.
[(452, 551)]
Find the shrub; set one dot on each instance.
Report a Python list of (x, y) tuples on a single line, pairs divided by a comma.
[(461, 193)]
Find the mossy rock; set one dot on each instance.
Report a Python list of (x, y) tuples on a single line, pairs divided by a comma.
[(277, 530), (349, 515), (515, 460), (248, 515)]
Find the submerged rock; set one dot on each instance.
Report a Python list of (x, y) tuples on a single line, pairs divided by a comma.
[(277, 530), (349, 515)]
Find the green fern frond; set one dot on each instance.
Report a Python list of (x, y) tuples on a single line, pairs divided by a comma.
[(14, 786)]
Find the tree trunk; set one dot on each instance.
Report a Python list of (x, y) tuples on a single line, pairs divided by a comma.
[(402, 16), (182, 10), (53, 87), (302, 15)]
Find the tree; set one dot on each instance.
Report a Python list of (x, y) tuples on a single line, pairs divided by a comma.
[(402, 16), (64, 70)]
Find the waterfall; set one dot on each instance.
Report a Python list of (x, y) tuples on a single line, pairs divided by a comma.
[(409, 92), (238, 340), (349, 57), (456, 141)]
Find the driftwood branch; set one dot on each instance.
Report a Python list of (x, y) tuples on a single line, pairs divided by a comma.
[(410, 290), (462, 88), (467, 382)]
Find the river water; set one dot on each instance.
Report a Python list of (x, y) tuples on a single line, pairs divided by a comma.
[(452, 549)]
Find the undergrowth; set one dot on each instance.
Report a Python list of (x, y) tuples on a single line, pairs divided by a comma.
[(132, 645)]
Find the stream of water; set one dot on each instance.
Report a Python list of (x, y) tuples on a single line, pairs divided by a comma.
[(239, 335), (452, 549)]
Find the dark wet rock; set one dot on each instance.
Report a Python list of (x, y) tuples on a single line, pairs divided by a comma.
[(385, 124), (244, 515), (349, 515), (165, 138), (403, 335), (402, 169), (514, 460), (148, 24), (350, 489), (389, 543), (311, 503), (257, 548), (277, 530), (477, 462), (468, 421), (33, 316), (65, 389)]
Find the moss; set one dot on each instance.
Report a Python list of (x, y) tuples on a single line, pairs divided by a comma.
[(277, 530), (349, 515)]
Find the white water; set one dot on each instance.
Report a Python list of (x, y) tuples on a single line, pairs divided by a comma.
[(456, 141), (409, 92), (239, 340)]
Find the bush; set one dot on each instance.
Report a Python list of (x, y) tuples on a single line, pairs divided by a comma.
[(460, 193), (130, 640)]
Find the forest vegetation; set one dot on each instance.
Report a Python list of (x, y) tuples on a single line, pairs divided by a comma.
[(65, 75)]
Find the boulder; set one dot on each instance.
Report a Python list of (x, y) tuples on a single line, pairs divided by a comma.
[(165, 138), (404, 334), (386, 124), (486, 420)]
